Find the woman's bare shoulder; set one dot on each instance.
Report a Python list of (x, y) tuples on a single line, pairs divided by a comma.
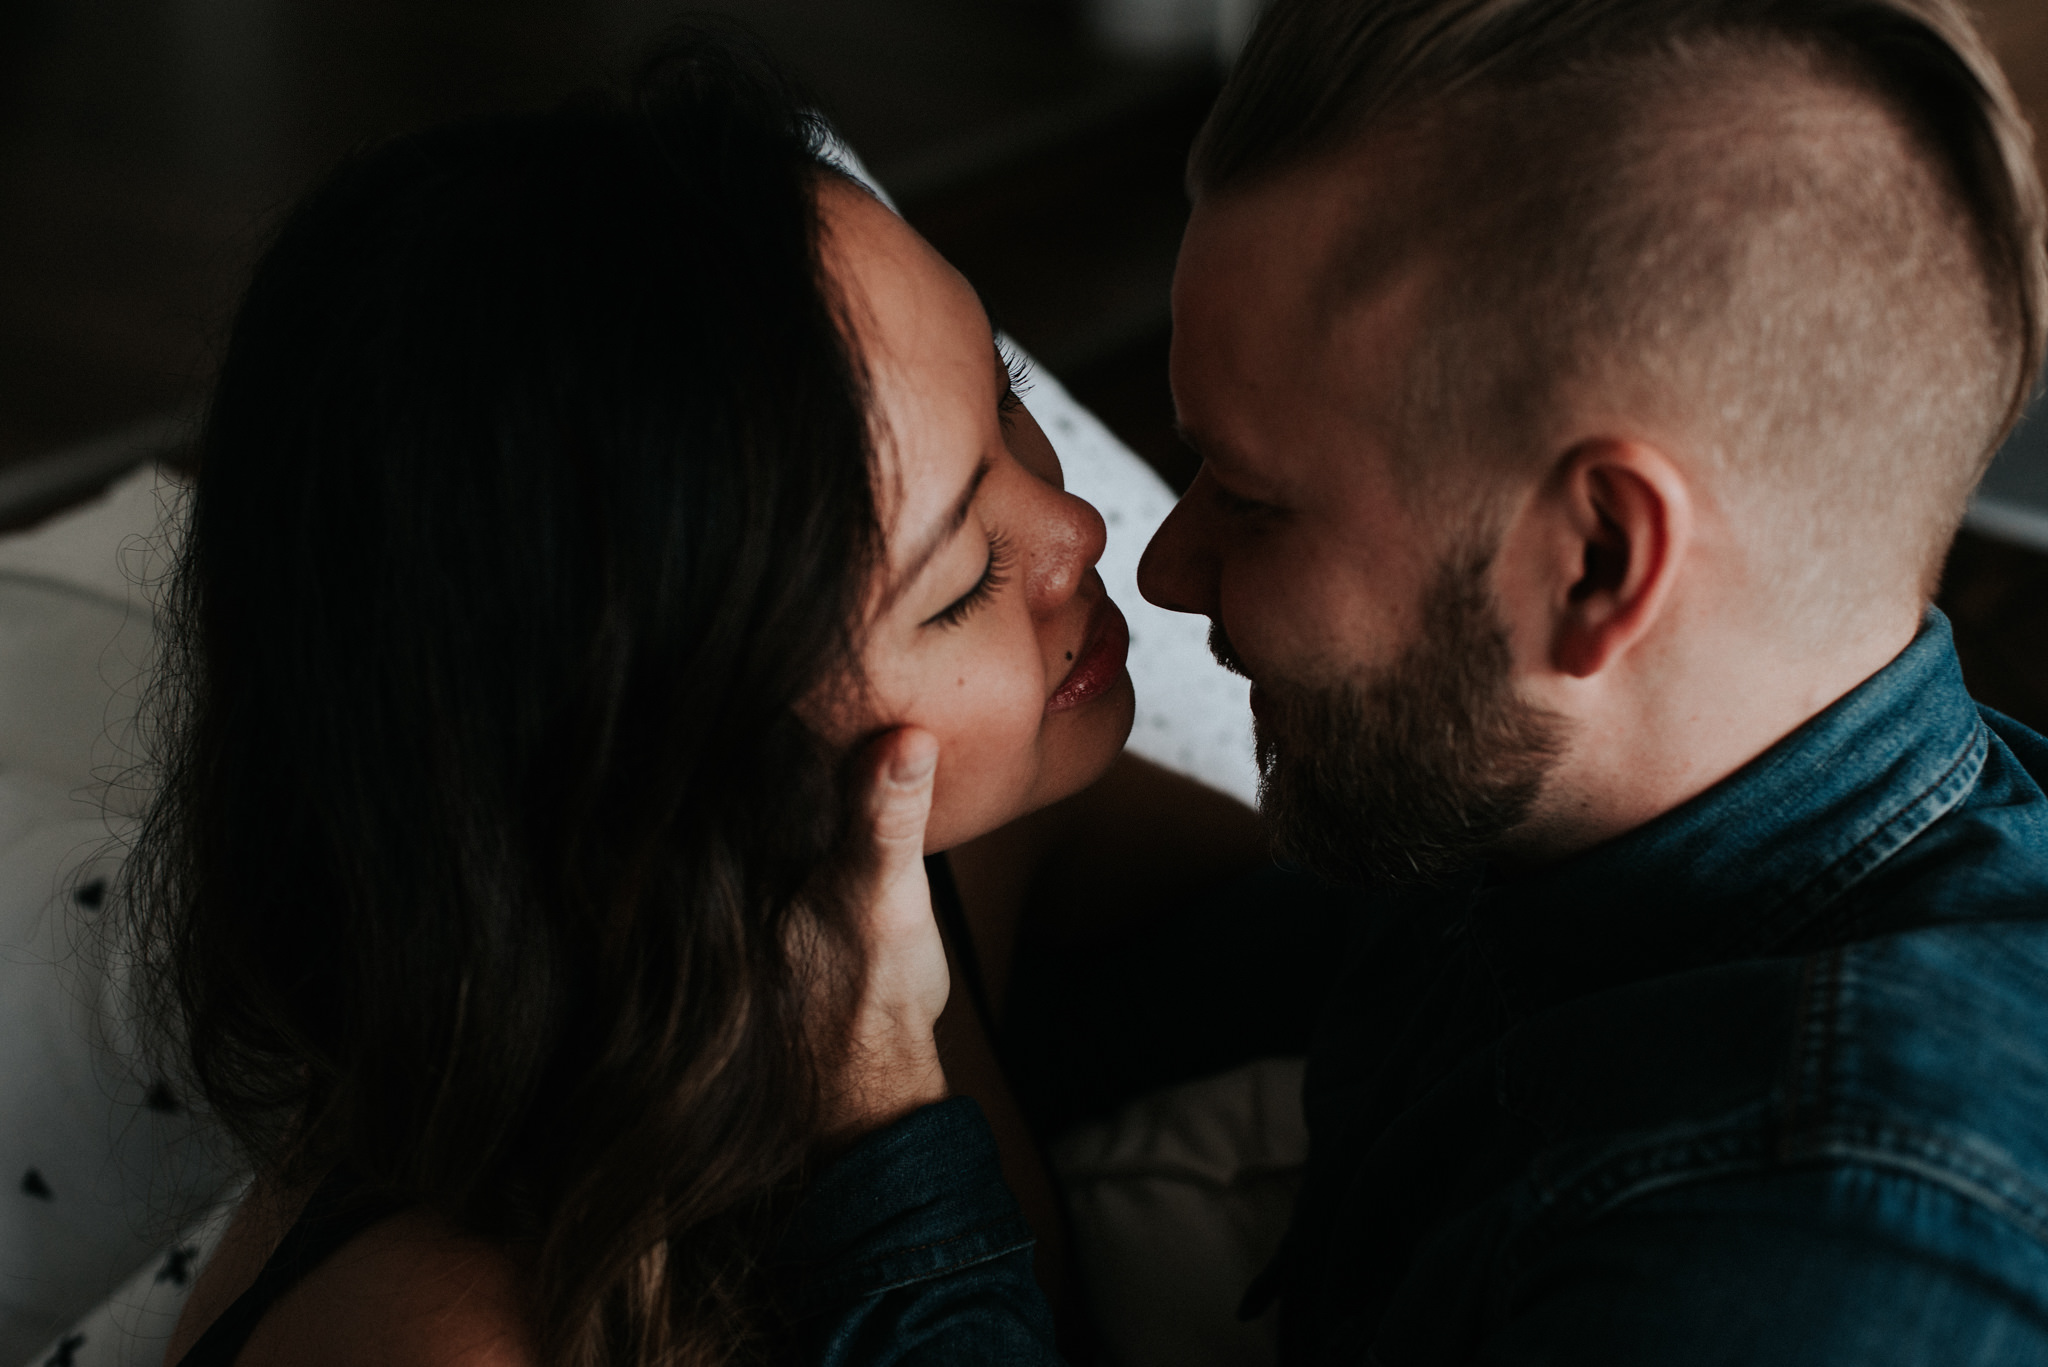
[(408, 1292)]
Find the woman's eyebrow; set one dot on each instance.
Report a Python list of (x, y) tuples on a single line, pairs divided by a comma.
[(943, 533)]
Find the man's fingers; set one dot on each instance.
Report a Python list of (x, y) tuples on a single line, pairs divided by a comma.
[(892, 1062), (906, 960), (900, 794)]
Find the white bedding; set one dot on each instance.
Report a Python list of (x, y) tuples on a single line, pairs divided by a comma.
[(97, 1178)]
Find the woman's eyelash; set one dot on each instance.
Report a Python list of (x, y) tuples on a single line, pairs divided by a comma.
[(1019, 371), (993, 577)]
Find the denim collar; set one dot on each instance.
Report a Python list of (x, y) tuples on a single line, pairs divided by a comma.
[(1761, 860)]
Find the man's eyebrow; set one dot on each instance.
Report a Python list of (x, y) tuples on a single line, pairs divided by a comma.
[(1211, 453), (1226, 461), (944, 532)]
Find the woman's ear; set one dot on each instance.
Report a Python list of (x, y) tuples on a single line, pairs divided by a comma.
[(1608, 531)]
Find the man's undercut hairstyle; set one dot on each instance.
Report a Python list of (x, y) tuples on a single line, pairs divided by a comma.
[(1804, 236)]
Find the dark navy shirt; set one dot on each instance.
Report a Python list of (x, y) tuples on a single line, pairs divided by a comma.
[(1764, 1081)]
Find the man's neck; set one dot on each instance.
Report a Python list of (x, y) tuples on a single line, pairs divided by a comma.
[(1684, 726)]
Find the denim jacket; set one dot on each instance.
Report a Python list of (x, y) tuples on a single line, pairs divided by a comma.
[(1764, 1081)]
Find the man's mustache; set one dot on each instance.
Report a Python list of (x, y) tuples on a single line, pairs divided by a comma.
[(1225, 653)]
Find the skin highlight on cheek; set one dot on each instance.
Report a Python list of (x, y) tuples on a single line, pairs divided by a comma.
[(988, 566)]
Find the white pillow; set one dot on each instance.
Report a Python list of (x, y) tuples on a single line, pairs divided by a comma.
[(1174, 1205)]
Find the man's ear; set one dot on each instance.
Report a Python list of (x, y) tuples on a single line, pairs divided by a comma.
[(1616, 522)]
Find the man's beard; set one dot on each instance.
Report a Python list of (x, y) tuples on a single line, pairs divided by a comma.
[(1413, 773)]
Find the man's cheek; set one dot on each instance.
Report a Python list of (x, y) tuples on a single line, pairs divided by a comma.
[(1278, 627)]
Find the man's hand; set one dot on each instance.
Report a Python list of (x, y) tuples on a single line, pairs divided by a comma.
[(892, 1065)]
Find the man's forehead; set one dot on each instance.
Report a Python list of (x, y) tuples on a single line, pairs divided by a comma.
[(1361, 208), (1307, 253), (1268, 297), (1265, 244), (1294, 321)]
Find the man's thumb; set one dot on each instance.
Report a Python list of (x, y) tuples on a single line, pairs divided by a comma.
[(900, 792)]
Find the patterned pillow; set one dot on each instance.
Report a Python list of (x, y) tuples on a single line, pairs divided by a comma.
[(100, 1161)]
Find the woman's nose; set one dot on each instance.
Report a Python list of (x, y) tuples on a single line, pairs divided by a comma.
[(1070, 541)]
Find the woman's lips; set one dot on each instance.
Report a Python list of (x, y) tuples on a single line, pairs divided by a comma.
[(1101, 661)]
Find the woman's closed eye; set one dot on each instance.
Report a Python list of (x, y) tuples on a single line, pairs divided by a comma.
[(993, 576), (1016, 374)]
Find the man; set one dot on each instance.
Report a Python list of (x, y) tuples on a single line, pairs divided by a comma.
[(1588, 392)]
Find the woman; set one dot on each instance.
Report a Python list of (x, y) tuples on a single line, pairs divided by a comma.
[(582, 495)]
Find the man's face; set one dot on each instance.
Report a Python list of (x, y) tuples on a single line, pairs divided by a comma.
[(1392, 741)]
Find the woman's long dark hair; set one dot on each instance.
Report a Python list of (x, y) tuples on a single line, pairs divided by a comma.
[(534, 500)]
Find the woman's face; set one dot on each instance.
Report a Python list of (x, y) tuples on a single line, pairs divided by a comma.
[(989, 625)]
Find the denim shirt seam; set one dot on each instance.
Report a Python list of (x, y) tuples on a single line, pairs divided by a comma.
[(877, 1276), (1590, 1190), (1814, 1120), (1737, 1146), (1807, 1088), (1973, 1170), (1686, 1153), (1810, 900)]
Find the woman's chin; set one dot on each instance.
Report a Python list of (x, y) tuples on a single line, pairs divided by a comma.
[(1077, 747), (1083, 743)]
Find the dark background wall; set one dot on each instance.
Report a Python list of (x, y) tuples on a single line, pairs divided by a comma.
[(146, 145)]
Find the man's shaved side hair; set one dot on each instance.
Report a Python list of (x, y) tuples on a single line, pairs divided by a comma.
[(1805, 237)]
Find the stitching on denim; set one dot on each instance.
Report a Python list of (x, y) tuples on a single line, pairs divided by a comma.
[(1816, 1032), (810, 1299), (1975, 1172), (941, 1243), (1810, 899), (998, 1251), (981, 1228), (836, 1284), (1734, 1147), (1512, 1014)]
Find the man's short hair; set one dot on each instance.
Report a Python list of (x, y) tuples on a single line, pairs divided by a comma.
[(1806, 233)]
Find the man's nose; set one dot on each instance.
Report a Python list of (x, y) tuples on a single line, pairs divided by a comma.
[(1176, 570)]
